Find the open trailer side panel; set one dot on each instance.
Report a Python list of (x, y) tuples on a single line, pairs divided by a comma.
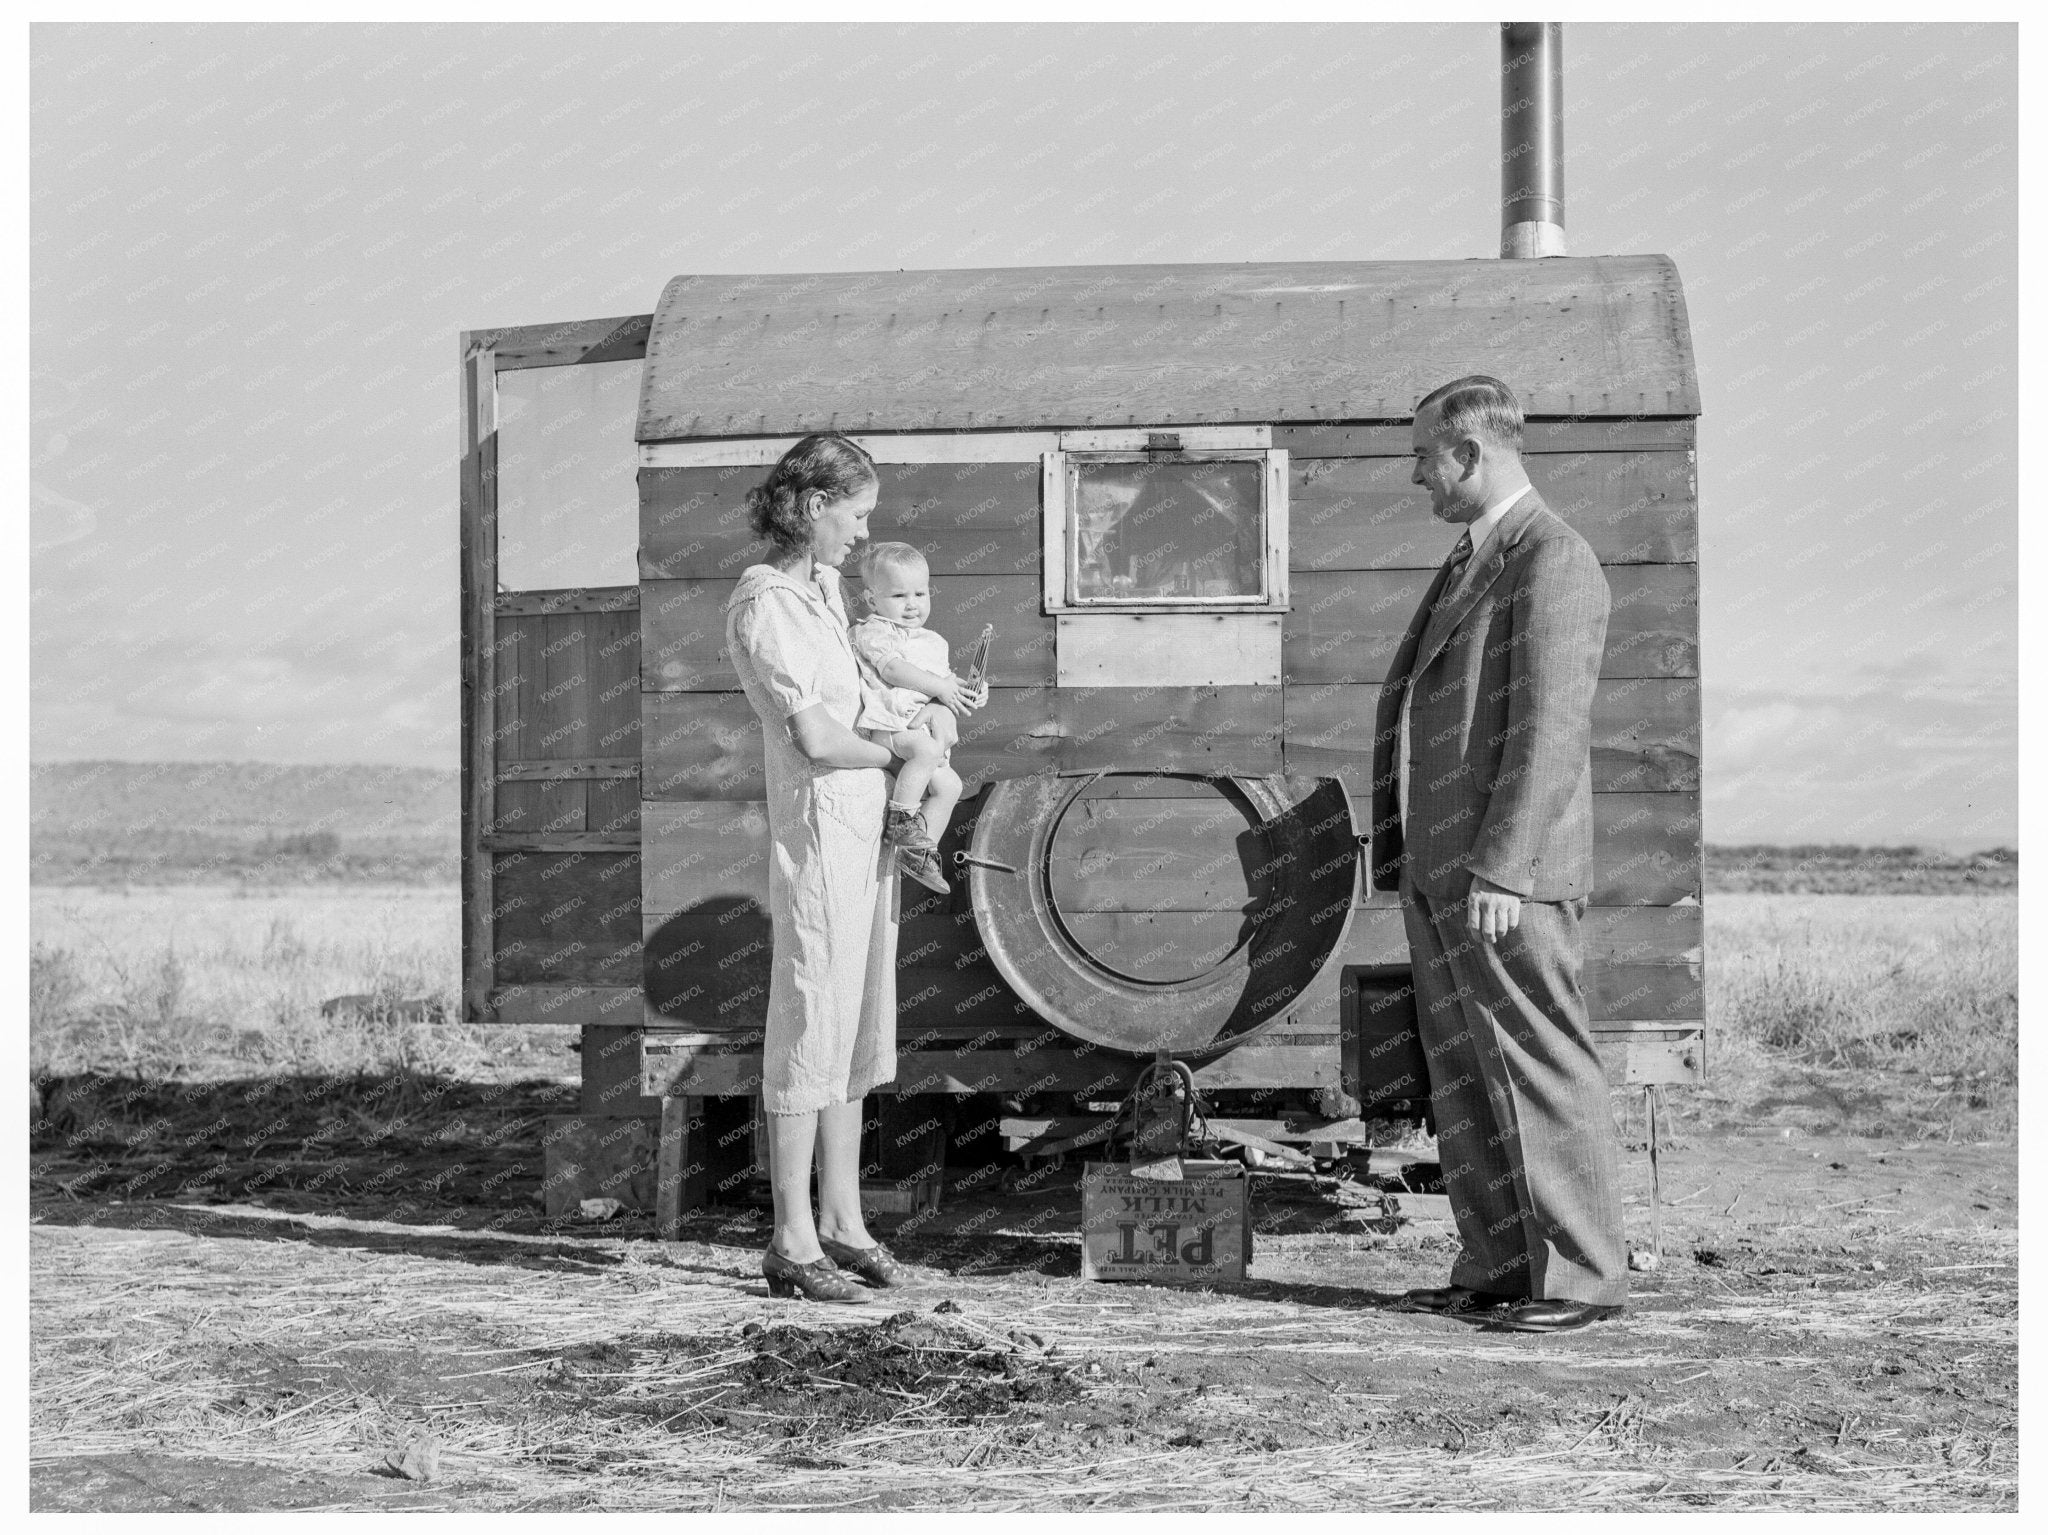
[(551, 721)]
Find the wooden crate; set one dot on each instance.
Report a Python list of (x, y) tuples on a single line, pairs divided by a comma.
[(1196, 1229)]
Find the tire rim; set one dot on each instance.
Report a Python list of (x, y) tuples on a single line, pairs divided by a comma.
[(1295, 933)]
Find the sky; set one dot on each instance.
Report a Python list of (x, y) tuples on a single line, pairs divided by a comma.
[(253, 249)]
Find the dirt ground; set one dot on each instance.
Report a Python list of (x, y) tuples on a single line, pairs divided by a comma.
[(1833, 1326)]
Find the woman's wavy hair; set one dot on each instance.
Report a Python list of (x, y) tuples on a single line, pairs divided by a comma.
[(823, 461)]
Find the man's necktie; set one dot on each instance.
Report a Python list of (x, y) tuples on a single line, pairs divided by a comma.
[(1456, 568)]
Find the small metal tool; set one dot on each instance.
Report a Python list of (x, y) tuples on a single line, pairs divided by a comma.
[(963, 857)]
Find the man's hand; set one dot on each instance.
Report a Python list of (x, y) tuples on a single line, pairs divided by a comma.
[(1490, 911)]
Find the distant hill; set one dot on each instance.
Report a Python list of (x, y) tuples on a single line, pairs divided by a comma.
[(1847, 869), (145, 822)]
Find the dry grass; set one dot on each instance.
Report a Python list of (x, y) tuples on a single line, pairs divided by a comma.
[(1920, 991), (1898, 1010), (206, 981)]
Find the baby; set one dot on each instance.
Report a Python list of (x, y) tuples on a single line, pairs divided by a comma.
[(903, 667)]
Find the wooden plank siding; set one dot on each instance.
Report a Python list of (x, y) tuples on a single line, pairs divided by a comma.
[(1161, 859), (708, 745), (1646, 733), (563, 917), (565, 828), (1351, 513), (703, 854), (969, 519), (1347, 624), (1365, 514), (567, 693), (1616, 937), (1591, 434), (1644, 964), (682, 628)]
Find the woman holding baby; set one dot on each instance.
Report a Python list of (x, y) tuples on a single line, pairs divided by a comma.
[(828, 737)]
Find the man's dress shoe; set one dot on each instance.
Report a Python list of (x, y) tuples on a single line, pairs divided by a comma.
[(1553, 1315), (1456, 1300)]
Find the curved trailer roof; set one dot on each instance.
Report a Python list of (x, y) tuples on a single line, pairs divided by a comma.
[(1009, 348)]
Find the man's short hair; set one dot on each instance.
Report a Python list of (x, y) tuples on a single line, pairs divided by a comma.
[(1478, 406)]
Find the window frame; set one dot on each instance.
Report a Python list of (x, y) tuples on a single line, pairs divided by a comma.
[(1060, 554)]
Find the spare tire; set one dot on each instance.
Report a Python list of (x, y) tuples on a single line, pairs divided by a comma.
[(1302, 880)]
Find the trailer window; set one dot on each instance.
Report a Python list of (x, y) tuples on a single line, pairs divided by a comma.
[(568, 499), (1165, 531)]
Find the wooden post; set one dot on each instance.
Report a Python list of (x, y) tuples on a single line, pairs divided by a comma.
[(1653, 1097), (679, 1171), (478, 545)]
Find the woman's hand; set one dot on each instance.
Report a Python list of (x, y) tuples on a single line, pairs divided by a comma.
[(830, 744), (940, 722)]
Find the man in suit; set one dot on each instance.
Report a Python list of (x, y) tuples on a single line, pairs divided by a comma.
[(1483, 813)]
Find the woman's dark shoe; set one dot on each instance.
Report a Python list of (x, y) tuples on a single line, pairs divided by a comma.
[(877, 1265), (904, 827), (817, 1280), (922, 865)]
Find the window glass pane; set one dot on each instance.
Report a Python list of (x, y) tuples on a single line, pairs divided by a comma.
[(568, 494), (1153, 531)]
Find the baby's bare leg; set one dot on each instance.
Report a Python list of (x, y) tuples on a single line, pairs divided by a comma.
[(943, 797), (920, 757)]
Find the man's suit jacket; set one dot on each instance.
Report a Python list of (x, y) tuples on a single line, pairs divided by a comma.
[(1499, 687)]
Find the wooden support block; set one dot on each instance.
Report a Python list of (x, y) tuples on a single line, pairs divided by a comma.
[(586, 1158), (564, 1005), (611, 1071), (672, 1157), (1655, 1061)]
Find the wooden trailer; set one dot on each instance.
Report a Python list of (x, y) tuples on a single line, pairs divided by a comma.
[(1181, 495)]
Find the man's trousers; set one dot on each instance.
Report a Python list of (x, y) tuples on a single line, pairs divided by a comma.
[(1524, 1129)]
